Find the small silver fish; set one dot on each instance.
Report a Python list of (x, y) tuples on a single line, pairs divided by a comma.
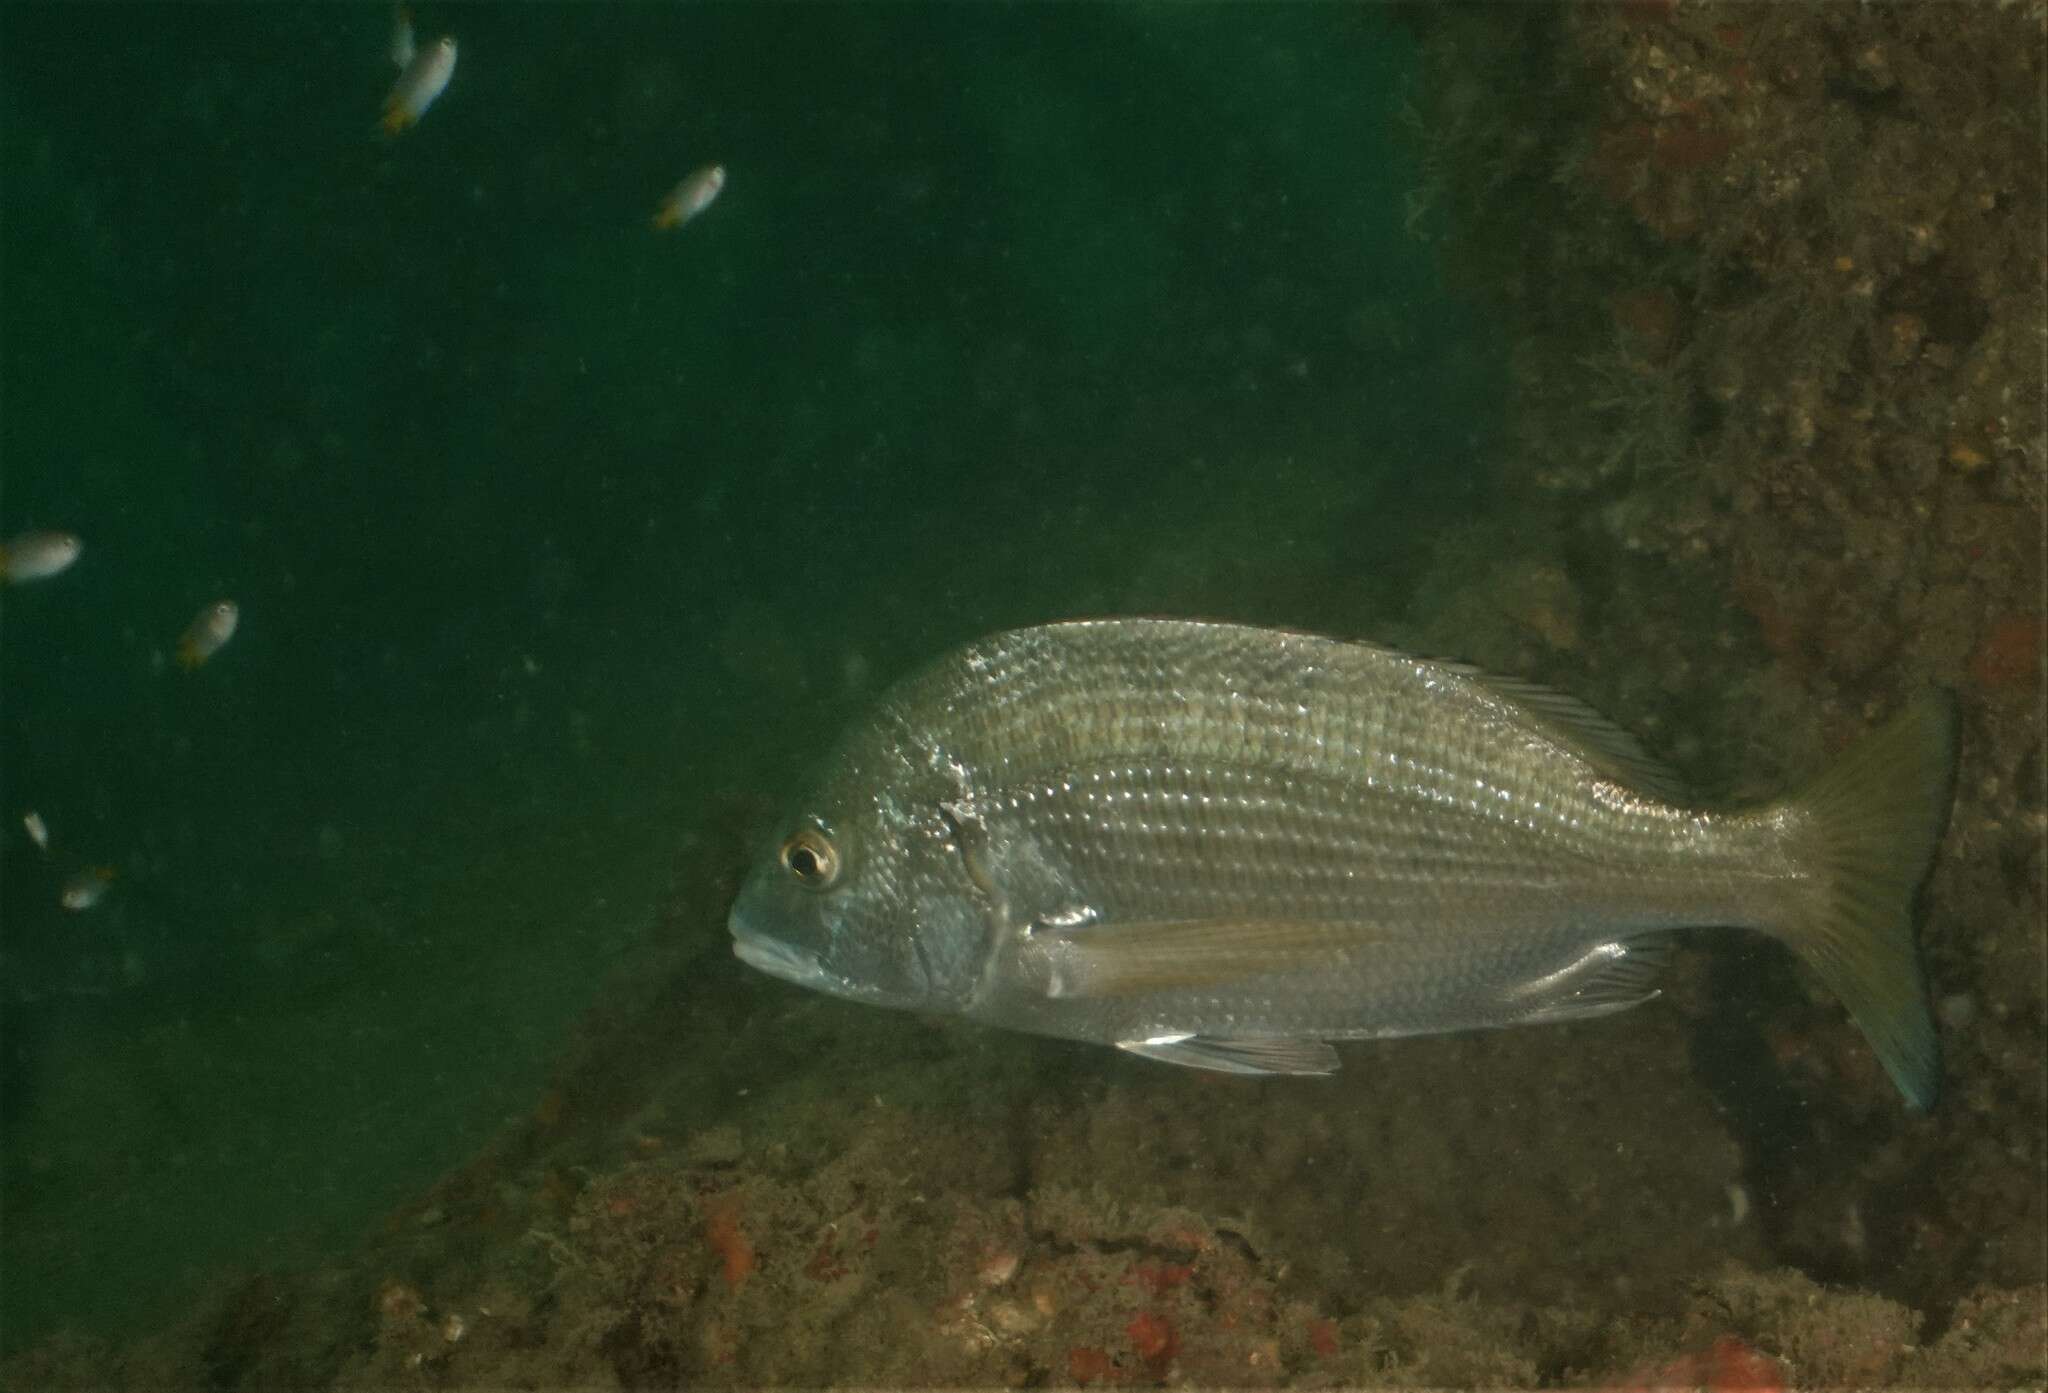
[(423, 80), (1224, 847), (38, 556), (208, 633), (38, 830), (689, 198), (86, 888)]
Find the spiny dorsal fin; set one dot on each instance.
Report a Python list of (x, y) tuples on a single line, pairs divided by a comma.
[(1610, 748)]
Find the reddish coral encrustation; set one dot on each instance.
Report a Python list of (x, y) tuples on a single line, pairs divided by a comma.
[(722, 1230), (1153, 1337)]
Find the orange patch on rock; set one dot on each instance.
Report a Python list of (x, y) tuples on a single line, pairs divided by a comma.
[(1091, 1366), (1158, 1277), (1726, 1366), (1322, 1337), (1153, 1337), (723, 1232), (825, 1265)]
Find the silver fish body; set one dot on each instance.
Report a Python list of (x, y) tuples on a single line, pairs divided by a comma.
[(1225, 847)]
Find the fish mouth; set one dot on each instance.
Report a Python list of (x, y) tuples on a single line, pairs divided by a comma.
[(780, 960)]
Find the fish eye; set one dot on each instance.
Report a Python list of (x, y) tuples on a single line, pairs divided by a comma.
[(810, 856)]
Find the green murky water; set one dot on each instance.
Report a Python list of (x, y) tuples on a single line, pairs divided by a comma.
[(547, 530)]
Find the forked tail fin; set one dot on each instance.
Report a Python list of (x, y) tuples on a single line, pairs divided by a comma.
[(1874, 819)]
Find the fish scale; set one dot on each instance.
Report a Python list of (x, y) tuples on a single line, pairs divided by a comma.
[(1224, 847), (1371, 867)]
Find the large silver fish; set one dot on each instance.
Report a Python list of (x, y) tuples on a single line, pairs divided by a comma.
[(1225, 847)]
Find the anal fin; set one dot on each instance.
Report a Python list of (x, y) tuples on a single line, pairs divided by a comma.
[(1607, 977), (1238, 1056)]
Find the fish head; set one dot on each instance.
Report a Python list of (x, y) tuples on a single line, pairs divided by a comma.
[(863, 893)]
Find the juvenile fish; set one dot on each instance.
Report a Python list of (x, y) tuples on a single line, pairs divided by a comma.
[(208, 633), (86, 888), (1225, 847), (38, 556), (689, 198), (423, 80)]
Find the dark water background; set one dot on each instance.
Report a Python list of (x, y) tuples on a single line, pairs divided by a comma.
[(544, 525)]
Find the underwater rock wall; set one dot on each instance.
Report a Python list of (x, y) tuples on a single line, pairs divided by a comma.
[(1776, 277)]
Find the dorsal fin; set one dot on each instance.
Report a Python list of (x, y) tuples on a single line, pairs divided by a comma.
[(1606, 745)]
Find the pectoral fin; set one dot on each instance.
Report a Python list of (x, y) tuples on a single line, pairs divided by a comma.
[(1121, 958), (1238, 1056)]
